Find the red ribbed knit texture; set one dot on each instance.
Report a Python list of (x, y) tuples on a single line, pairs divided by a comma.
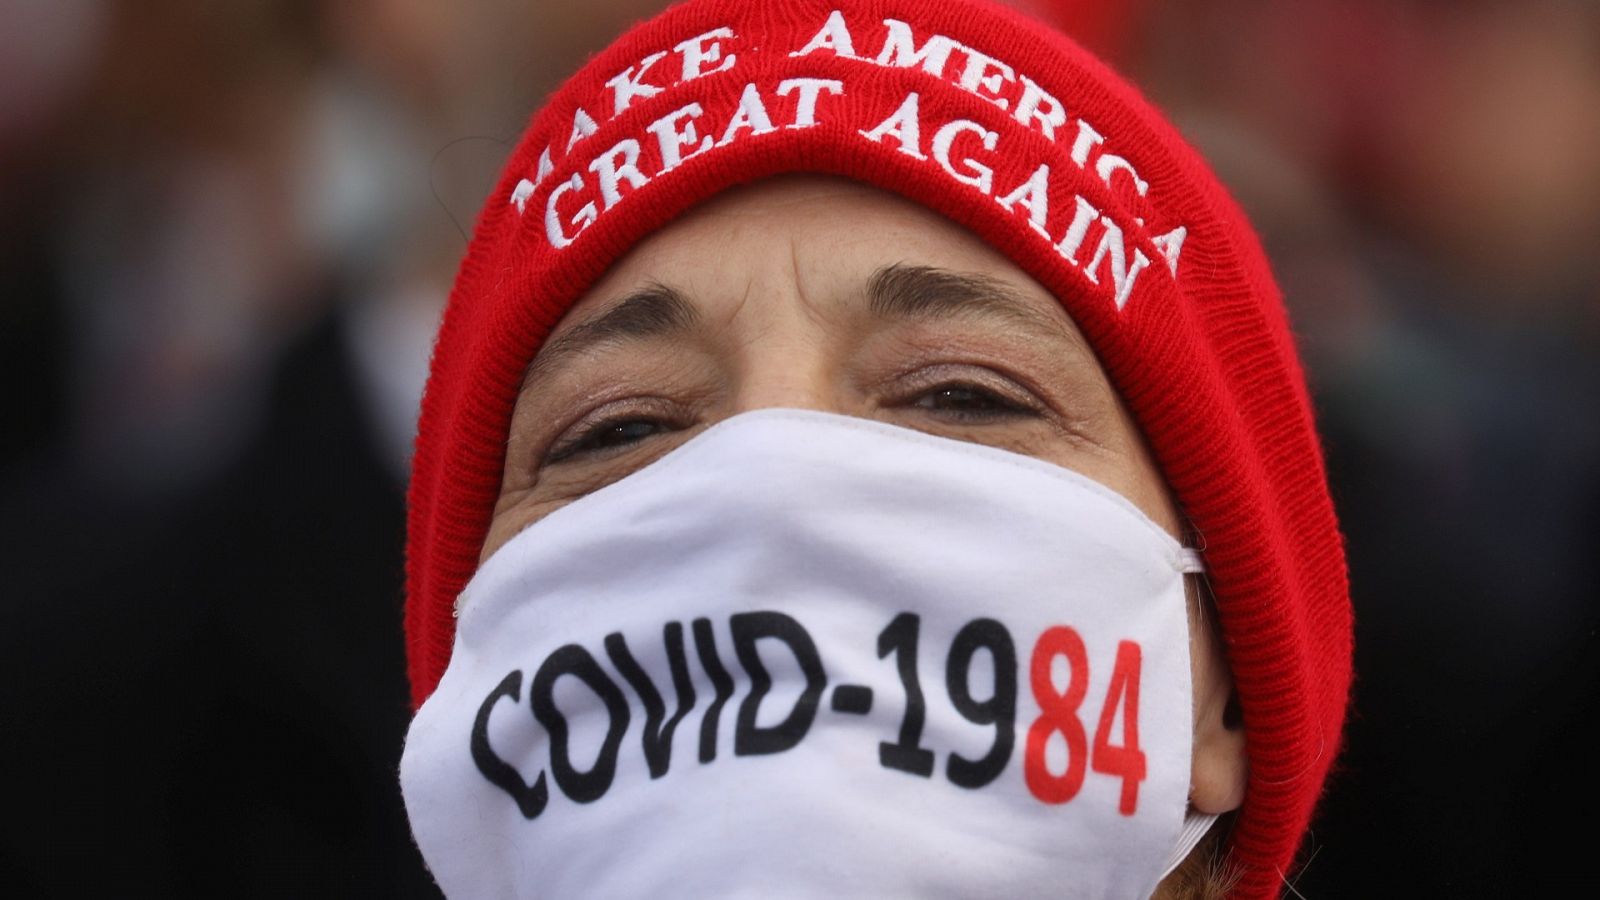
[(1205, 359)]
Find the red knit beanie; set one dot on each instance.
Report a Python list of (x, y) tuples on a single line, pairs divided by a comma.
[(1016, 133)]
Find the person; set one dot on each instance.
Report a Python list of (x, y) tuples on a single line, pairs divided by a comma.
[(865, 454)]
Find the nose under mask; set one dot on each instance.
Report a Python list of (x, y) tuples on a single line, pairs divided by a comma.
[(806, 655)]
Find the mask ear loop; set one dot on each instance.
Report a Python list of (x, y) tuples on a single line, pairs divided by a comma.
[(1195, 824)]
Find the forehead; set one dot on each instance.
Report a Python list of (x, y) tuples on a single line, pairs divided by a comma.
[(823, 235)]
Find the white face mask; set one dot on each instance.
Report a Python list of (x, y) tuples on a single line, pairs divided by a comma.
[(806, 655)]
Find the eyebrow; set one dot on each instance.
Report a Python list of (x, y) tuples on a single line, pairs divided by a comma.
[(903, 291), (897, 291), (652, 311)]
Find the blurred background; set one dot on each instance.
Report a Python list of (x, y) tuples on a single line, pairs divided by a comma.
[(229, 227)]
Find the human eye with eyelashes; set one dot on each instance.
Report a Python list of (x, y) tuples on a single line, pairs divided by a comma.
[(951, 394), (613, 430), (965, 394), (968, 401)]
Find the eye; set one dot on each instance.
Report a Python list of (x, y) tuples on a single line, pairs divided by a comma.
[(966, 399), (606, 436), (973, 400)]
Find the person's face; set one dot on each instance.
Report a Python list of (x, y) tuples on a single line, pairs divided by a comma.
[(818, 293)]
